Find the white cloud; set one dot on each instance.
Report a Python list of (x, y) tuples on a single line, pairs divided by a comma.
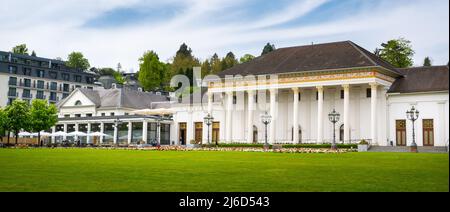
[(53, 29)]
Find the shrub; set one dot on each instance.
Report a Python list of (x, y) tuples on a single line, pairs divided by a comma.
[(364, 142)]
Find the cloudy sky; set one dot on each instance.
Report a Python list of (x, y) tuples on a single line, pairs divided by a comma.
[(112, 31)]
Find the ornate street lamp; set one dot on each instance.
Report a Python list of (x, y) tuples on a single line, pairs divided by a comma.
[(413, 115), (116, 126), (334, 118), (266, 119), (208, 121)]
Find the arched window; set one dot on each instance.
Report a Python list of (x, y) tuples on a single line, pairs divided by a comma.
[(78, 103)]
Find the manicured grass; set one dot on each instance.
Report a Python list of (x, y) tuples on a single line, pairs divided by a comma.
[(122, 170)]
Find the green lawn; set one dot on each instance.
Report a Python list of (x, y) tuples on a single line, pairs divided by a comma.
[(122, 170)]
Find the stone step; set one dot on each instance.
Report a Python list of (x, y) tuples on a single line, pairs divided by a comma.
[(407, 149)]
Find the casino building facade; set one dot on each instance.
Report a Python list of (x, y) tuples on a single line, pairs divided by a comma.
[(297, 86)]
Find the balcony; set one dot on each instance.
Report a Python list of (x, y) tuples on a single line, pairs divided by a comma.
[(40, 96), (54, 99), (27, 95), (12, 82), (13, 94)]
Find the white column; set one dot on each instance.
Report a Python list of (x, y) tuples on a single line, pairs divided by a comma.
[(295, 118), (320, 115), (229, 120), (53, 132), (346, 113), (116, 131), (130, 131), (65, 132), (251, 107), (273, 97), (373, 120), (76, 130), (88, 138), (210, 102), (145, 131), (102, 130)]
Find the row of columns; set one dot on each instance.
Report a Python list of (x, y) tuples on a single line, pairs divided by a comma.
[(296, 92), (102, 129)]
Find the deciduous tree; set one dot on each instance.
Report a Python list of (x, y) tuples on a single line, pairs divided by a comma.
[(151, 71), (76, 60), (18, 116), (43, 116), (397, 52), (247, 58), (20, 49)]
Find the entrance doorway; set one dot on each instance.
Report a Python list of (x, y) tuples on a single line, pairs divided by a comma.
[(182, 134), (401, 132), (215, 132), (255, 134), (198, 132), (428, 132)]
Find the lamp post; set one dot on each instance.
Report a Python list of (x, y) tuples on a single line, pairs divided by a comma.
[(334, 118), (266, 119), (413, 115), (208, 121), (116, 126)]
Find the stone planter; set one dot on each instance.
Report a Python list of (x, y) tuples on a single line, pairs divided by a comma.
[(363, 147)]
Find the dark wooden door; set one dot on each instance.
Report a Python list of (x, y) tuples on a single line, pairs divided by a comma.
[(428, 132), (182, 134), (401, 132), (215, 132)]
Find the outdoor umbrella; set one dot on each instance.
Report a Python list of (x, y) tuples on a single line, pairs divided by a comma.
[(24, 134), (59, 133), (44, 134), (97, 134), (154, 112), (77, 133)]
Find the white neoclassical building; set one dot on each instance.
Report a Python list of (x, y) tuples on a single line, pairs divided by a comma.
[(297, 86), (300, 86)]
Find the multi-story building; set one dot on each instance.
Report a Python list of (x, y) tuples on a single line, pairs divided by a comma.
[(27, 78)]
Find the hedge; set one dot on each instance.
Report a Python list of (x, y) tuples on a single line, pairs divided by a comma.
[(287, 146)]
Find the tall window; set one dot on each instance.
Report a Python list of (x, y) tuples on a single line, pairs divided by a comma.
[(77, 78), (198, 132), (53, 97), (428, 132), (53, 75), (40, 84), (66, 88), (65, 77), (26, 93), (12, 69), (40, 95), (40, 73), (342, 94), (27, 83), (12, 92), (12, 81), (369, 93), (53, 86), (26, 71)]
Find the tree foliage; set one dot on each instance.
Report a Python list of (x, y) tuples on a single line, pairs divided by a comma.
[(183, 63), (42, 116), (268, 48), (247, 58), (427, 61), (18, 117), (397, 52), (76, 60), (229, 61), (3, 122), (20, 49), (151, 71)]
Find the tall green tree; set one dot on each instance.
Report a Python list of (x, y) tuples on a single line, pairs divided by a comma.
[(268, 48), (18, 117), (247, 58), (33, 53), (229, 61), (3, 123), (183, 63), (43, 116), (397, 52), (20, 49), (216, 64), (206, 68), (151, 71), (76, 60), (427, 61)]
